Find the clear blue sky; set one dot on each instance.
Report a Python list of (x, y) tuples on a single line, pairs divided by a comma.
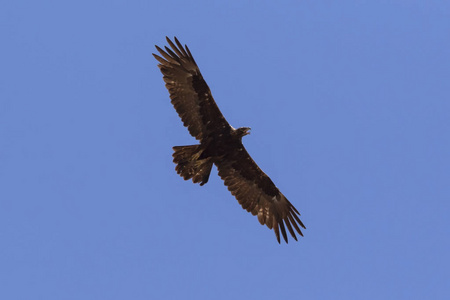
[(349, 104)]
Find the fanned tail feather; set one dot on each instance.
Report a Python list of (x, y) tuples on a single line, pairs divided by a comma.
[(190, 165)]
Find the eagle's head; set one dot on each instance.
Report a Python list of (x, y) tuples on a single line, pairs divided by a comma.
[(241, 131)]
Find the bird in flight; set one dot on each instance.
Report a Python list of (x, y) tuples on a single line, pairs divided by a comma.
[(220, 144)]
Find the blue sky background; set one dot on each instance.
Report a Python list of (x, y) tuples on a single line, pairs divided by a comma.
[(349, 104)]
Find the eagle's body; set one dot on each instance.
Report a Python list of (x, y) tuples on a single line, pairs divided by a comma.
[(220, 144)]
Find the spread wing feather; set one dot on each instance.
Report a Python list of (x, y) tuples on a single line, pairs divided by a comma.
[(189, 92), (193, 101), (257, 194)]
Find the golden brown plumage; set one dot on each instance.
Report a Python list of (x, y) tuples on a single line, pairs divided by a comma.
[(220, 144)]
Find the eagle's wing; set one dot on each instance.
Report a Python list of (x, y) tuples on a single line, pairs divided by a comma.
[(189, 92), (258, 194)]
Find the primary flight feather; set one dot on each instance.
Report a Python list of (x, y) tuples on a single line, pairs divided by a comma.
[(220, 144)]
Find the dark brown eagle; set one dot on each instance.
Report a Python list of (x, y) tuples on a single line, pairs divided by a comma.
[(220, 144)]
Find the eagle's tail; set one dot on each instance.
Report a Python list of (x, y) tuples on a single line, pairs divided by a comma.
[(189, 164)]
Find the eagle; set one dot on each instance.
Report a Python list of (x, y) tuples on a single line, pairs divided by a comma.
[(220, 144)]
